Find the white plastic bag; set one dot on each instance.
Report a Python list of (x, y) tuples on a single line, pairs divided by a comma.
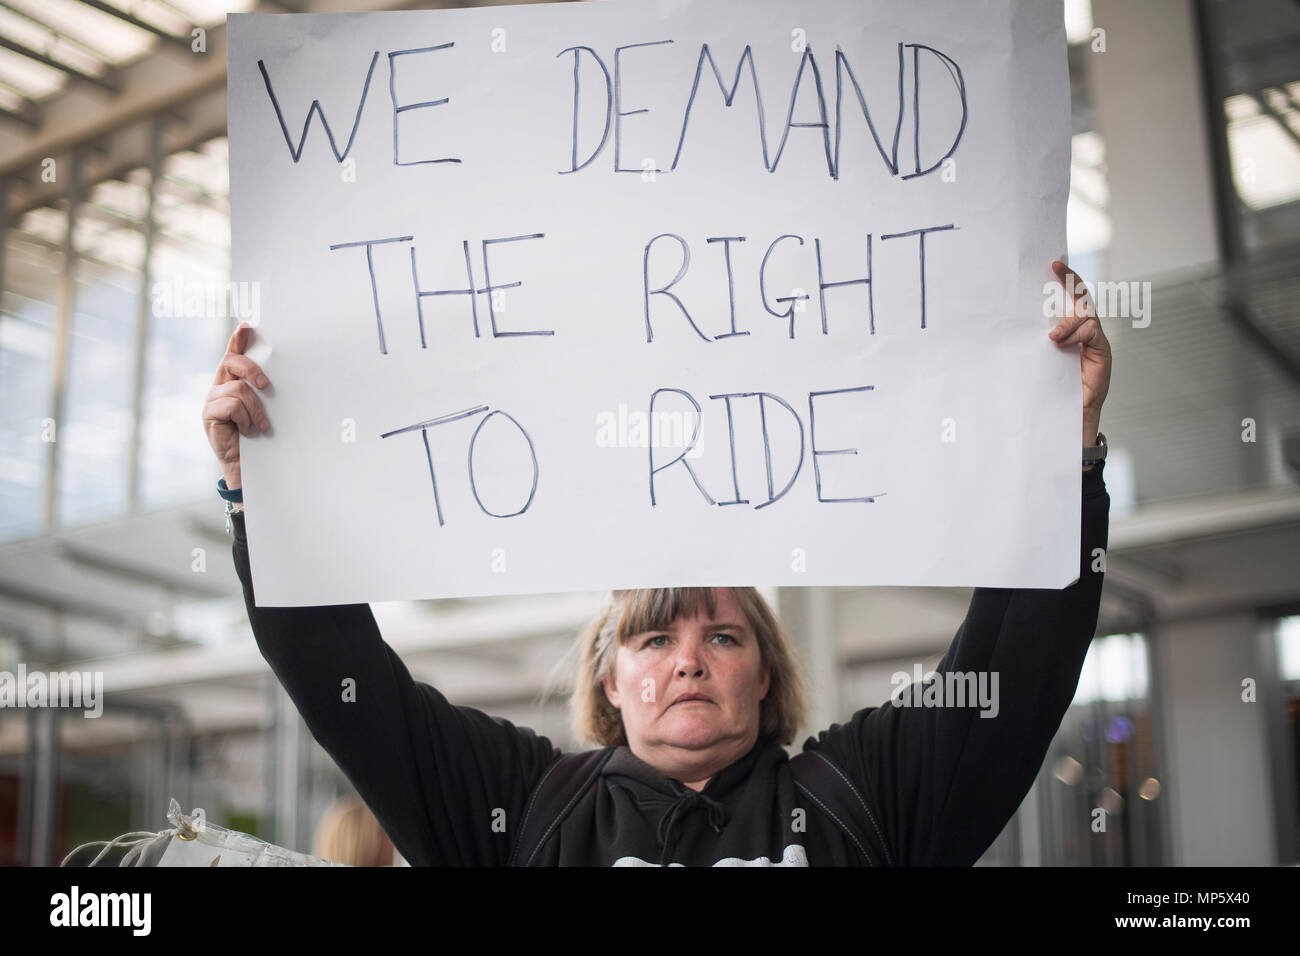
[(193, 841)]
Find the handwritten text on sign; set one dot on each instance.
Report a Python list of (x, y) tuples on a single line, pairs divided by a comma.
[(632, 294)]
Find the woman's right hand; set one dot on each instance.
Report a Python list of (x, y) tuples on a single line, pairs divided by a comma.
[(232, 407)]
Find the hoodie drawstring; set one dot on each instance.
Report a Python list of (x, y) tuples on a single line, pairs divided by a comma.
[(668, 823)]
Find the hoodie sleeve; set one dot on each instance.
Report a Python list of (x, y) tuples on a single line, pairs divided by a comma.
[(942, 782), (447, 783)]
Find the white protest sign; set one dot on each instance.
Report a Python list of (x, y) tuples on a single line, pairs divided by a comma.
[(640, 294)]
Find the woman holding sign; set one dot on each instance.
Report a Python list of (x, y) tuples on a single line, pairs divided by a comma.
[(690, 694)]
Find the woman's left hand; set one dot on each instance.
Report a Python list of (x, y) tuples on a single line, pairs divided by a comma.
[(1080, 326)]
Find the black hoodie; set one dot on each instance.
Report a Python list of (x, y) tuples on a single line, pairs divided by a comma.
[(450, 784)]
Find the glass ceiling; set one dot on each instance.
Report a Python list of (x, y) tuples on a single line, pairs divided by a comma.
[(46, 44)]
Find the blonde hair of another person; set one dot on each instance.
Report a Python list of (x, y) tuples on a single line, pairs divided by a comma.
[(349, 833)]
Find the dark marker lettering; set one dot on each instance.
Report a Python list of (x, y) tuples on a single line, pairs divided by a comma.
[(823, 125), (823, 285), (767, 447), (762, 286), (695, 434), (421, 293), (399, 109), (731, 439), (316, 108), (841, 67), (645, 284), (960, 83), (374, 291), (609, 105), (921, 233), (489, 288), (532, 451), (618, 102), (812, 440), (731, 285), (727, 97), (424, 432)]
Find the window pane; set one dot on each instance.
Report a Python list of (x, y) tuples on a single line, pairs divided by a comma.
[(190, 323), (27, 318), (1258, 45), (95, 437)]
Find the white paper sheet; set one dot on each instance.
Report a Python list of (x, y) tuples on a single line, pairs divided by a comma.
[(954, 438)]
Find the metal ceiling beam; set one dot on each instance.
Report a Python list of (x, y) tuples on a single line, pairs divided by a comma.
[(192, 192), (29, 111), (206, 530), (1271, 63), (29, 115), (58, 247), (106, 565), (120, 14), (1262, 99), (54, 34), (204, 119), (111, 217), (65, 604), (110, 81), (1240, 317), (1143, 572), (1204, 519), (185, 241), (546, 616), (155, 84)]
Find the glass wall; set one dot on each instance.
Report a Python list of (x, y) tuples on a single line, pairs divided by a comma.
[(1100, 785), (188, 323), (129, 283), (33, 264), (1087, 221), (1288, 657), (96, 423), (1255, 64)]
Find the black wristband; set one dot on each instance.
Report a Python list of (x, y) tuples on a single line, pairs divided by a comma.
[(237, 495)]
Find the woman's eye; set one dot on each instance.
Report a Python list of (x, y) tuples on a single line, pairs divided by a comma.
[(661, 640)]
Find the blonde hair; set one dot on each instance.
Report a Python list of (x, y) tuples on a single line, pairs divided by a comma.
[(595, 720), (349, 833)]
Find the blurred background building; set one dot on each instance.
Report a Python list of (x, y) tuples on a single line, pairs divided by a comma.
[(1185, 731)]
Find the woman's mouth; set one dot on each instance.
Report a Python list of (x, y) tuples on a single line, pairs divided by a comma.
[(692, 699)]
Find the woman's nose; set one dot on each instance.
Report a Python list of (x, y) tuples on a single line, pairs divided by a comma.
[(690, 662)]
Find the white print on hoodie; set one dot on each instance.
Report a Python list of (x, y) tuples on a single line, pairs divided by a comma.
[(793, 856)]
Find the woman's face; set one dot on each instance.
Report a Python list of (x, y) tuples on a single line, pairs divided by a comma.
[(714, 660)]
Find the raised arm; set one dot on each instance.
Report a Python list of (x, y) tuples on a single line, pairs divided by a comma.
[(944, 780), (447, 783)]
